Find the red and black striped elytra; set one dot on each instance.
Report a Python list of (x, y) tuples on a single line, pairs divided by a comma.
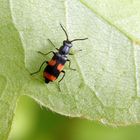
[(56, 64), (54, 68)]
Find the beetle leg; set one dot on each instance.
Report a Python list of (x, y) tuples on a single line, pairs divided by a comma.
[(62, 76), (39, 68), (70, 65), (53, 44), (61, 79), (46, 53), (75, 52)]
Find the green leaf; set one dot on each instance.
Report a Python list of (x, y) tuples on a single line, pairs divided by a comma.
[(105, 86), (124, 15)]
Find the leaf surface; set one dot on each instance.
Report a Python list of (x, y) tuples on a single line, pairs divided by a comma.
[(105, 86)]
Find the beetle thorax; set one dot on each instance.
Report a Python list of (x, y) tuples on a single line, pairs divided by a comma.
[(64, 50)]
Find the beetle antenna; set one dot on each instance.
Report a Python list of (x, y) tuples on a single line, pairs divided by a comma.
[(78, 39), (64, 31)]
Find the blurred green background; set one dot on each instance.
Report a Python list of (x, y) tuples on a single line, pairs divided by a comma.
[(33, 122)]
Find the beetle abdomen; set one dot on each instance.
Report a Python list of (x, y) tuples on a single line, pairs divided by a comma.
[(53, 69)]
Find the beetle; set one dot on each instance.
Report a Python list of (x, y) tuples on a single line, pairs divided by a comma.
[(56, 64)]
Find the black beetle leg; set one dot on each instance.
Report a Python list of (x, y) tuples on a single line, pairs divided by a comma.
[(53, 44), (62, 76), (46, 53), (64, 73), (39, 68), (70, 65), (75, 52), (71, 54)]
